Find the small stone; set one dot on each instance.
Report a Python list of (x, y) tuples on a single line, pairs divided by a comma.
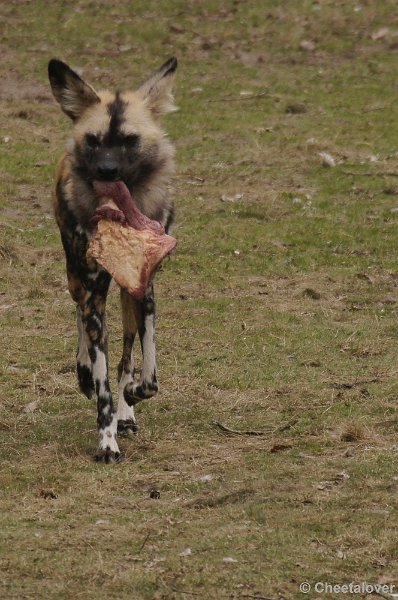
[(343, 476), (380, 34), (296, 108), (310, 293), (102, 522), (307, 45), (205, 478), (125, 48), (31, 407), (235, 198), (229, 559), (48, 494), (391, 191), (327, 159)]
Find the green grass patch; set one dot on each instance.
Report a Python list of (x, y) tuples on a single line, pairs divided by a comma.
[(278, 313)]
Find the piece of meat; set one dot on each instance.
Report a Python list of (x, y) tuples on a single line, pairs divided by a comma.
[(107, 212), (127, 244)]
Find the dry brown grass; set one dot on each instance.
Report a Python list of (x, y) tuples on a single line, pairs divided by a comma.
[(279, 308)]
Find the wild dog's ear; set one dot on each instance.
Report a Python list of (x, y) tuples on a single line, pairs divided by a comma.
[(157, 90), (73, 94)]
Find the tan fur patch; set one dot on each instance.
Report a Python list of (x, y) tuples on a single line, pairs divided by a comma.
[(137, 119), (95, 119)]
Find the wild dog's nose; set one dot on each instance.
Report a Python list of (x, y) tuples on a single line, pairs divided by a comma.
[(108, 170)]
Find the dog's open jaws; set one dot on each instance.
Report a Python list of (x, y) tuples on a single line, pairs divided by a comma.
[(127, 244)]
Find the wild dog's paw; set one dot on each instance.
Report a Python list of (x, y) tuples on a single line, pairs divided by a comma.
[(85, 379), (127, 428), (136, 392), (108, 450), (106, 455)]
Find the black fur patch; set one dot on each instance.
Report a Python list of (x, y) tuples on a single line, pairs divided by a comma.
[(57, 71), (115, 110), (170, 65), (85, 378), (104, 420), (143, 171), (169, 220), (126, 427), (108, 456), (136, 393)]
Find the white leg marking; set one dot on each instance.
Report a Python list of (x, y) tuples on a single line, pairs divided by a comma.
[(149, 349), (100, 372), (107, 434), (107, 437)]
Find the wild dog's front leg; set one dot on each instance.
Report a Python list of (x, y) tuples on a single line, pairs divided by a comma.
[(84, 368), (145, 317), (126, 423), (93, 317)]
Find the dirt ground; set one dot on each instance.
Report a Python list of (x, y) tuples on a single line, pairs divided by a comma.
[(268, 459)]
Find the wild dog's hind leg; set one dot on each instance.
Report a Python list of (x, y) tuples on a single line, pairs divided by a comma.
[(126, 423), (145, 316)]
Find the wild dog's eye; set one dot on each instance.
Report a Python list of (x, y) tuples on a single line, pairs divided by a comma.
[(130, 140), (92, 140)]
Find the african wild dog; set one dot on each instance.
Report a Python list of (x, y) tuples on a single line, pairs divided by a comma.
[(116, 137)]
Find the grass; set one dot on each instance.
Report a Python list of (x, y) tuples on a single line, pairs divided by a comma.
[(279, 308)]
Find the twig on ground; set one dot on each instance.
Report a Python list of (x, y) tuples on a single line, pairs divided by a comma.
[(243, 97), (382, 174), (236, 432), (286, 426), (382, 595), (230, 498), (255, 432), (143, 543), (374, 109), (178, 29), (179, 591), (257, 597), (348, 385)]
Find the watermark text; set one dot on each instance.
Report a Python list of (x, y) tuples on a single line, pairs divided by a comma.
[(362, 587)]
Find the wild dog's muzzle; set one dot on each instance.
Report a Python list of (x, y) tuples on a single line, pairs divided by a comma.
[(108, 170)]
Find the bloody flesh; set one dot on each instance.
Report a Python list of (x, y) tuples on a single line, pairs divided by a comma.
[(127, 244)]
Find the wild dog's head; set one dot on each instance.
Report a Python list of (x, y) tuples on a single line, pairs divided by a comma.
[(116, 136)]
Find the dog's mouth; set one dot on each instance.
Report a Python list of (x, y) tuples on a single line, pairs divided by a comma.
[(125, 211), (107, 177)]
